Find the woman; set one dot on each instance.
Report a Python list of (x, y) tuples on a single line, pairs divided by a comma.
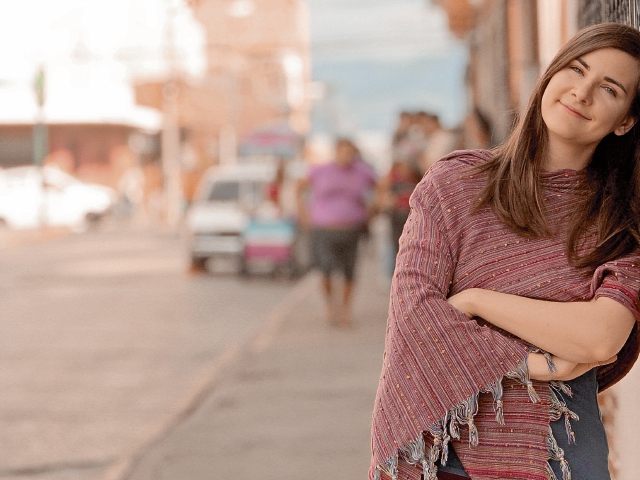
[(515, 296), (337, 212)]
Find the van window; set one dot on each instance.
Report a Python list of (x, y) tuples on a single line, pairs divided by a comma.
[(224, 192)]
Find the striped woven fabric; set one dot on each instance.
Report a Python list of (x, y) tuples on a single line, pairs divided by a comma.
[(446, 376)]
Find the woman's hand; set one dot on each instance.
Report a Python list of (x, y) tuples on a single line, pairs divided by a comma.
[(463, 301), (565, 369)]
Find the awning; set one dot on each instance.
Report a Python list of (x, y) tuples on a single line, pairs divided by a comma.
[(278, 140)]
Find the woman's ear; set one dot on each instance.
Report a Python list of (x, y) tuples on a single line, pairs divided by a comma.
[(626, 125)]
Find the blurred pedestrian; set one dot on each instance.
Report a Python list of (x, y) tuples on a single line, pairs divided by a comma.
[(409, 140), (397, 187), (515, 296), (334, 200), (131, 191), (403, 128), (438, 140), (274, 188)]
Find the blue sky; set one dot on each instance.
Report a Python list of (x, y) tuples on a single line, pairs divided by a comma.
[(378, 57)]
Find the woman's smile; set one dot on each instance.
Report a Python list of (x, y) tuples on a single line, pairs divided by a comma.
[(574, 112)]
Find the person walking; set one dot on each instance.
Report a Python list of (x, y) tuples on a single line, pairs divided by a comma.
[(335, 200), (438, 140), (515, 296)]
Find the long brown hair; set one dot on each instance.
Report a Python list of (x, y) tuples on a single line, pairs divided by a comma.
[(612, 204)]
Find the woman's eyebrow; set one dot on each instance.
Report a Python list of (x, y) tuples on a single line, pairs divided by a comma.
[(608, 79), (615, 82)]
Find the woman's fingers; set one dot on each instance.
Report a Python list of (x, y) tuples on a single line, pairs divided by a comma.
[(608, 360)]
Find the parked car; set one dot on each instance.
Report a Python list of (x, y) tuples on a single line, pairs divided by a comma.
[(31, 197), (233, 218)]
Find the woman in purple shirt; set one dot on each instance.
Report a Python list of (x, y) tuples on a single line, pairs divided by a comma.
[(334, 202)]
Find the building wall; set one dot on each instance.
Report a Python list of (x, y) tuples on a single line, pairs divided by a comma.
[(16, 145), (260, 57), (490, 76), (510, 42), (93, 152), (258, 73), (522, 51)]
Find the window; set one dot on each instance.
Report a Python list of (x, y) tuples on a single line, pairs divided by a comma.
[(224, 192)]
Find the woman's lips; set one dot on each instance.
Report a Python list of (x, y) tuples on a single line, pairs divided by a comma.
[(574, 112)]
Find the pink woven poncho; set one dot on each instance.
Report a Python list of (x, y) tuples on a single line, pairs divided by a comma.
[(445, 376)]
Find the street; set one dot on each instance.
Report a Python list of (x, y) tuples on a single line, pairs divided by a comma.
[(106, 340)]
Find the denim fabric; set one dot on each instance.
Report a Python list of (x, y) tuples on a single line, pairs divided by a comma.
[(588, 457)]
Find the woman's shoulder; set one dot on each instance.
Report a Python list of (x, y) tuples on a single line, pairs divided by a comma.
[(462, 167), (453, 184), (462, 160)]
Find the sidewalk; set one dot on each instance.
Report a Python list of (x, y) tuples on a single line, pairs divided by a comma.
[(296, 403)]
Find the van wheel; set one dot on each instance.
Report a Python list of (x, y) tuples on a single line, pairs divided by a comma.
[(93, 220), (198, 264)]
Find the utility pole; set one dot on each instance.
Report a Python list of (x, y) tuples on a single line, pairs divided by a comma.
[(40, 139), (171, 170), (40, 133)]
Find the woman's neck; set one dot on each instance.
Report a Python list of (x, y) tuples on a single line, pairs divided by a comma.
[(566, 155)]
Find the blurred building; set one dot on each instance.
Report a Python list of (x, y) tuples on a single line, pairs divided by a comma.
[(258, 70), (510, 42), (87, 126), (97, 152)]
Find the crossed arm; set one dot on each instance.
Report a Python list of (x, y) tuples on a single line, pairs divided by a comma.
[(580, 335)]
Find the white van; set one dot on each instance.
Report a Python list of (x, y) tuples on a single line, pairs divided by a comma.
[(233, 218), (226, 199)]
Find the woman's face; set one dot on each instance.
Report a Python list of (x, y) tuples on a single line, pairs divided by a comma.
[(591, 97), (344, 153)]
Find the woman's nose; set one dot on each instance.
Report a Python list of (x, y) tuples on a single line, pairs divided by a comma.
[(583, 91)]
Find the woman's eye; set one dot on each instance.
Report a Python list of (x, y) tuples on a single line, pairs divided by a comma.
[(576, 69), (610, 91)]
